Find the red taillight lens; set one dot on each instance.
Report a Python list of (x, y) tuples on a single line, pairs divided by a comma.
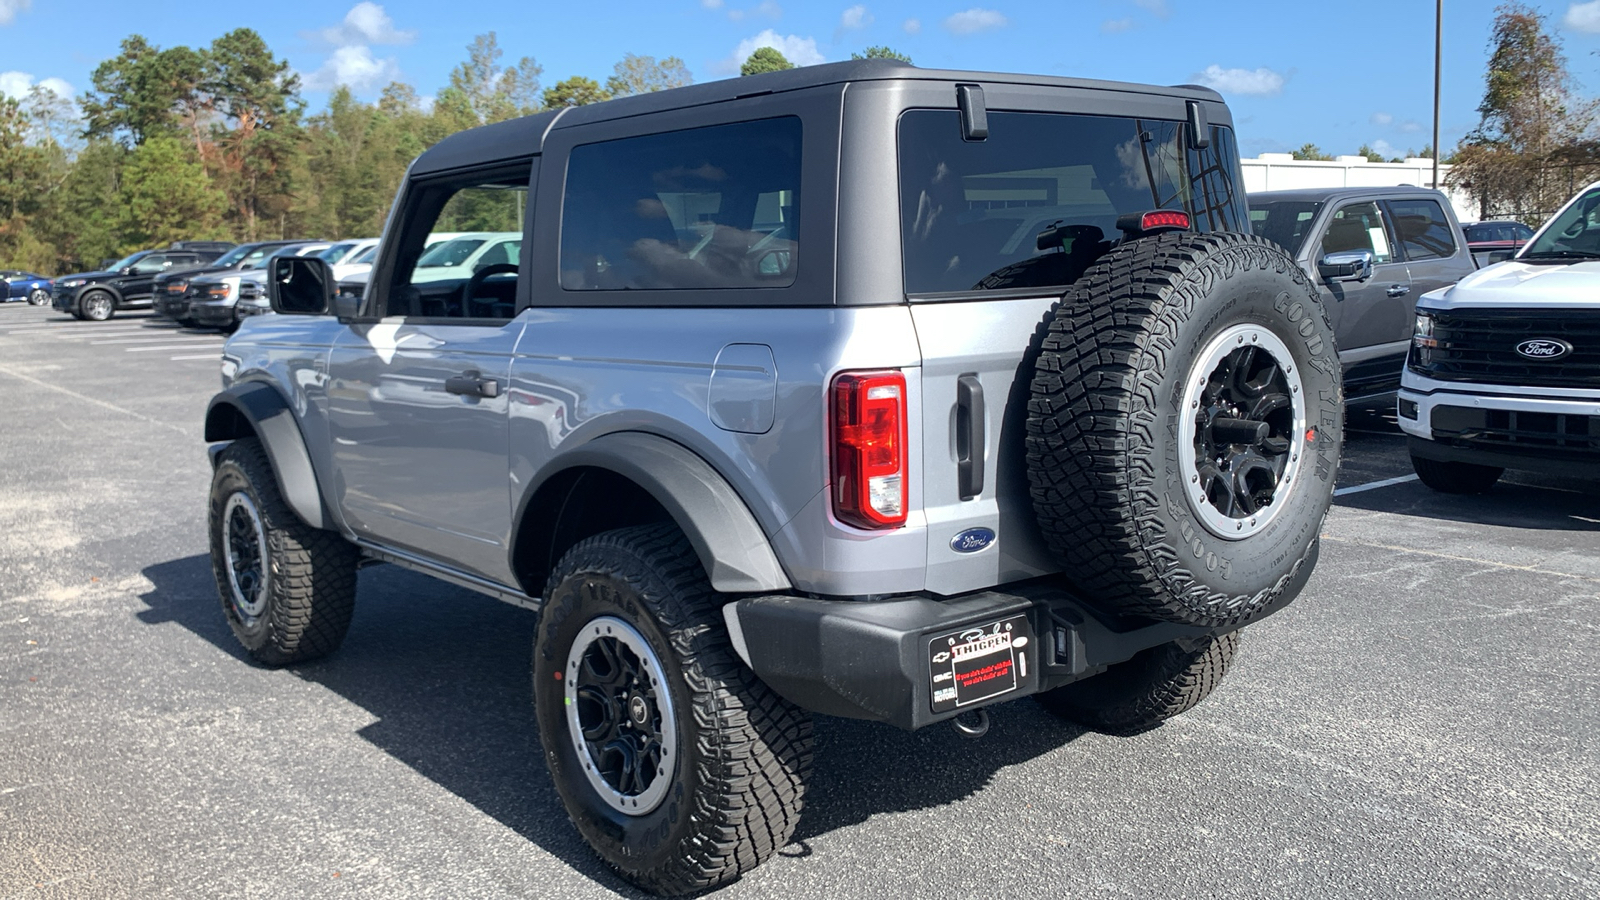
[(869, 449), (1164, 218)]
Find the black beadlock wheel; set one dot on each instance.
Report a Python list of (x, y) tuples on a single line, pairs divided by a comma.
[(675, 762), (1150, 688), (1184, 428), (287, 589)]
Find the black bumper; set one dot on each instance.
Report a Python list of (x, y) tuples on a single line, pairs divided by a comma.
[(1547, 461), (212, 315), (882, 660), (64, 300)]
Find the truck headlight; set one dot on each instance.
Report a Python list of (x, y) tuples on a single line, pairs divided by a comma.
[(1422, 333), (72, 283), (219, 291)]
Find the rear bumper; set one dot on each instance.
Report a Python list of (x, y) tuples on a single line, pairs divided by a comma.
[(889, 661)]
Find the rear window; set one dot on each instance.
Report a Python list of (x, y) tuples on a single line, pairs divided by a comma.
[(703, 208), (1033, 205)]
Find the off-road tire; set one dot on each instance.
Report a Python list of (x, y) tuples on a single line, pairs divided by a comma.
[(310, 575), (1145, 691), (1108, 485), (97, 312), (1455, 477), (744, 752), (39, 297)]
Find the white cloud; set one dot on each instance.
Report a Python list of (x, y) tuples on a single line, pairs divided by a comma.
[(768, 8), (10, 8), (1112, 26), (858, 17), (365, 23), (1384, 149), (1583, 17), (912, 26), (1382, 118), (1157, 8), (16, 85), (975, 20), (1261, 82), (798, 50), (711, 4), (354, 67)]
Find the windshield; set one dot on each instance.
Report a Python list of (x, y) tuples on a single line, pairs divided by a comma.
[(1038, 201), (366, 255), (127, 261), (1573, 234), (1283, 222), (450, 253), (335, 253), (233, 256)]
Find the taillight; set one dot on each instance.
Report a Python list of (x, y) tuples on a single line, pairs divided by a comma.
[(869, 449)]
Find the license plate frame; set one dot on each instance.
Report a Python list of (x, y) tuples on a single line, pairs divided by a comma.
[(977, 663)]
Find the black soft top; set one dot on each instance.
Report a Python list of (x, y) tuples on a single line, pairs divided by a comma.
[(524, 137)]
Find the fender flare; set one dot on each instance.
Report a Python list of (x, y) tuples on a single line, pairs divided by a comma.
[(116, 295), (268, 414), (734, 550)]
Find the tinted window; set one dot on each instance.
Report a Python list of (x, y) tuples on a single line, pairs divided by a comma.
[(1035, 203), (1422, 229), (1284, 222), (714, 207), (1358, 226)]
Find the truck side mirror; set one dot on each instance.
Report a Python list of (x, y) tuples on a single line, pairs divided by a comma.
[(1346, 265), (300, 286)]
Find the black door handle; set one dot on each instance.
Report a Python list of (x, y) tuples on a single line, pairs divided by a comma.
[(471, 383), (1399, 290), (970, 438)]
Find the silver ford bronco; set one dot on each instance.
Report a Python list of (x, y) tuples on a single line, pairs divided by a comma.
[(858, 389)]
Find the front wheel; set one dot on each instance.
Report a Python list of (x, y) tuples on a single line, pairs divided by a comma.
[(98, 306), (677, 765), (39, 297), (287, 589)]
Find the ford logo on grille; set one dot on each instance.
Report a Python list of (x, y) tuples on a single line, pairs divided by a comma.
[(972, 540), (1544, 348)]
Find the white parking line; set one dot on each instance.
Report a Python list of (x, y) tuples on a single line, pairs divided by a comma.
[(153, 339), (1356, 489), (189, 346), (214, 357), (111, 334)]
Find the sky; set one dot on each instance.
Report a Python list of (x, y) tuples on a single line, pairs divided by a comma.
[(1337, 76)]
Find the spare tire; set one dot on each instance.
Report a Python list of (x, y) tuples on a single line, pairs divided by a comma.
[(1184, 428)]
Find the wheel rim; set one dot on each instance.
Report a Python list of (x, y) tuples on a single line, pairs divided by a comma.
[(97, 306), (1244, 414), (38, 298), (245, 546), (620, 716)]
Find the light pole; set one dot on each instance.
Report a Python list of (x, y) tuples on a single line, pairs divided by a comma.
[(1438, 53)]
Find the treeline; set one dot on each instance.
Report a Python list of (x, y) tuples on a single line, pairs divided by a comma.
[(215, 142)]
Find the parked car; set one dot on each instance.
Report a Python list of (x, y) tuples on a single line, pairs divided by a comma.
[(172, 290), (1372, 252), (1504, 368), (355, 263), (347, 251), (128, 283), (855, 389), (464, 256), (29, 286), (218, 247), (1492, 242), (211, 297)]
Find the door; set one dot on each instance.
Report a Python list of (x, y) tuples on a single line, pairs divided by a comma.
[(417, 387), (1427, 238), (1366, 315), (139, 281)]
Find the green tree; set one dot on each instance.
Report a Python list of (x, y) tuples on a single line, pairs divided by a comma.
[(165, 196), (1371, 154), (81, 220), (575, 91), (765, 59), (255, 135), (144, 91), (481, 90), (881, 53), (1311, 151), (643, 75)]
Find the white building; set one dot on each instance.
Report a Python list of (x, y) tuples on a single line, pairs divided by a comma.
[(1282, 172)]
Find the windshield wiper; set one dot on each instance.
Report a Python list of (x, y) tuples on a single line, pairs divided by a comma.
[(1562, 254)]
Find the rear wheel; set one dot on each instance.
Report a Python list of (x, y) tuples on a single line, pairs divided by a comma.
[(677, 765), (1148, 689), (1184, 428), (1455, 477), (97, 306)]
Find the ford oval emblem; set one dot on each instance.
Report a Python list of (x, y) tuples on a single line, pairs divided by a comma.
[(972, 540), (1544, 348)]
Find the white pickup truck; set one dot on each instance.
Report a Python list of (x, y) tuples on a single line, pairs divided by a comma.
[(1504, 367)]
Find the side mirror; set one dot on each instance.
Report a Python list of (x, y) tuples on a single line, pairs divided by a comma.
[(300, 286), (346, 305), (1346, 265)]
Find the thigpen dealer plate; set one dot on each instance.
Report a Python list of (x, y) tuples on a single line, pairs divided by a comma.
[(978, 663)]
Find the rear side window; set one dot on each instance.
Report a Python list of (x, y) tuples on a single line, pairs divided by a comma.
[(1422, 229), (1035, 203), (703, 208)]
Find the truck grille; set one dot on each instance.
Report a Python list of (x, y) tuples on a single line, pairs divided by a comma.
[(1481, 346), (1550, 435)]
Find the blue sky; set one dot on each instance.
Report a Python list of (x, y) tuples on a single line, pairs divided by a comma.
[(1335, 75)]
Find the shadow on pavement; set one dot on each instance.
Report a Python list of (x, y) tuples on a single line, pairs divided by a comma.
[(445, 672), (1545, 505)]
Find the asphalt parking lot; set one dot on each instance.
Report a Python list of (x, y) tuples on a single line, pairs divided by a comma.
[(1424, 721)]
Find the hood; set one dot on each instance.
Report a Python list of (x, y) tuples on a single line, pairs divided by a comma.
[(1543, 285), (89, 276), (192, 274)]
